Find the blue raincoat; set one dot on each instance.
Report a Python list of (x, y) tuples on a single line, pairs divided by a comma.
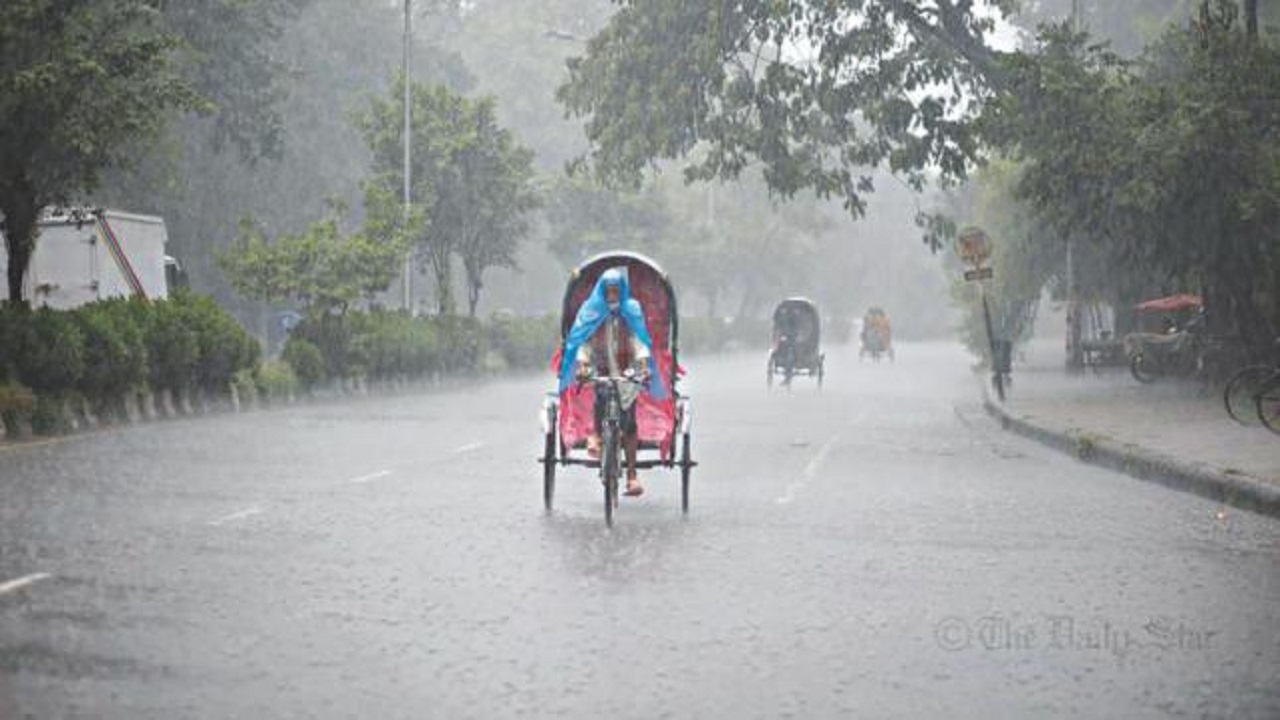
[(592, 314)]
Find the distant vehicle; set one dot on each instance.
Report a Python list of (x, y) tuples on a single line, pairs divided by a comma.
[(876, 335), (797, 338), (96, 255)]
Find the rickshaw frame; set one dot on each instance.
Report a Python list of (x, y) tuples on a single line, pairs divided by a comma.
[(555, 451), (813, 362)]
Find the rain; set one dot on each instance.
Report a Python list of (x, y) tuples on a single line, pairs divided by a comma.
[(611, 358)]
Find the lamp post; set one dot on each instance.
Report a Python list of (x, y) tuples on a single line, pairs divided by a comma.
[(407, 282)]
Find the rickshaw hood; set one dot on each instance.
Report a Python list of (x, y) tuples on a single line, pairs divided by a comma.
[(592, 314)]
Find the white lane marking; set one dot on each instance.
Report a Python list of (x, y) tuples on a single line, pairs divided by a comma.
[(370, 477), (19, 583), (810, 471), (470, 447), (238, 515)]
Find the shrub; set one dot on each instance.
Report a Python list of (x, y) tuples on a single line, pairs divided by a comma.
[(276, 381), (115, 355), (16, 403), (224, 348), (306, 361), (48, 354)]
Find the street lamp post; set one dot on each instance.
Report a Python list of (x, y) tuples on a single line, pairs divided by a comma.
[(407, 283)]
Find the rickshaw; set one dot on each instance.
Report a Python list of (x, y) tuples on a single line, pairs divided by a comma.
[(797, 333), (877, 339), (664, 424)]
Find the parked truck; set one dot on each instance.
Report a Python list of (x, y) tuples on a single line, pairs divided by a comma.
[(94, 255)]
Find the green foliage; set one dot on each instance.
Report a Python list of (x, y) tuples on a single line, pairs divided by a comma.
[(470, 181), (224, 347), (277, 381), (305, 360), (115, 353), (16, 403), (813, 92), (1163, 169), (48, 354), (321, 268), (78, 82), (523, 343)]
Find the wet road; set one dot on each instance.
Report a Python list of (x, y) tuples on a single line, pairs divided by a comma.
[(876, 550)]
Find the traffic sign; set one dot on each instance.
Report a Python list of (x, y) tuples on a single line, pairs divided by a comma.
[(979, 274), (972, 246)]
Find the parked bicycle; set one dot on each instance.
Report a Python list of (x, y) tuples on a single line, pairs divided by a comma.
[(1253, 394)]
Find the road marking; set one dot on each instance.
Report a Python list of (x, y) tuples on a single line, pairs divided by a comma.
[(810, 471), (19, 583), (370, 477), (471, 447), (240, 515)]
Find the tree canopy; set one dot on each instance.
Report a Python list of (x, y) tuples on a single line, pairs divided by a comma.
[(815, 93), (78, 81)]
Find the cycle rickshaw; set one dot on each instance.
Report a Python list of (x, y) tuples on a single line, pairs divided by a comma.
[(664, 424), (797, 334)]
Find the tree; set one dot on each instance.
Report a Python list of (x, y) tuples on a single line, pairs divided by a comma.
[(322, 268), (491, 193), (816, 93), (1163, 169), (79, 80), (469, 177)]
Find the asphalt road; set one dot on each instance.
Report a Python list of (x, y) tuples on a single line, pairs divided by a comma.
[(878, 549)]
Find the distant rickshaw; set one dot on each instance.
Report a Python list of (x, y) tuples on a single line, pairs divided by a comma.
[(877, 336), (797, 336)]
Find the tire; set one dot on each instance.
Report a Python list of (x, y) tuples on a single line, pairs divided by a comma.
[(821, 372), (1237, 396), (686, 469), (1267, 403), (768, 373), (1144, 369), (609, 468), (549, 471)]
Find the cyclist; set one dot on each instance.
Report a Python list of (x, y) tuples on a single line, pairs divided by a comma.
[(610, 338)]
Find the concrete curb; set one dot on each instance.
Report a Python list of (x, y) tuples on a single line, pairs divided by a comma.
[(1237, 490)]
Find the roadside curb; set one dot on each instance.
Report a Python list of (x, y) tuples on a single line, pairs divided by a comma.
[(1237, 490)]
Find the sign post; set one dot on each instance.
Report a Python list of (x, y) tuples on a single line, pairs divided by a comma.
[(974, 249)]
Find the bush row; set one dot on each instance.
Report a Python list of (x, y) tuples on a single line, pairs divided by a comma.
[(104, 354), (385, 345)]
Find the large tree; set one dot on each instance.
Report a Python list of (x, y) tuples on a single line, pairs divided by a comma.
[(815, 93), (79, 80), (469, 178)]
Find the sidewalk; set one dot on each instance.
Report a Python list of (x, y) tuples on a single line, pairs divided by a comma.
[(1167, 432)]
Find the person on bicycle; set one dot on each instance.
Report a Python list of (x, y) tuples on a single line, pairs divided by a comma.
[(610, 338)]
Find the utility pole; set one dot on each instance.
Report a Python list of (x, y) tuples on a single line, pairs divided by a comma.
[(1075, 358), (407, 282)]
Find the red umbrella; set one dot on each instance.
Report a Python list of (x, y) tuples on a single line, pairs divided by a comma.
[(1172, 303)]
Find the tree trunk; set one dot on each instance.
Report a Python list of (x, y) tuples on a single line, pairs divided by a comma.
[(473, 293), (21, 211), (444, 283), (1251, 18)]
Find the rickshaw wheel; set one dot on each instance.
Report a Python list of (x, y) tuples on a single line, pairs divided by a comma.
[(609, 467), (549, 471), (686, 469), (1144, 370)]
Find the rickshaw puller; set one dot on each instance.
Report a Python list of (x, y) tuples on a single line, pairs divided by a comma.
[(617, 344)]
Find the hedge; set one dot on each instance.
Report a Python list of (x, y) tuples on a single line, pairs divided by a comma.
[(104, 354)]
